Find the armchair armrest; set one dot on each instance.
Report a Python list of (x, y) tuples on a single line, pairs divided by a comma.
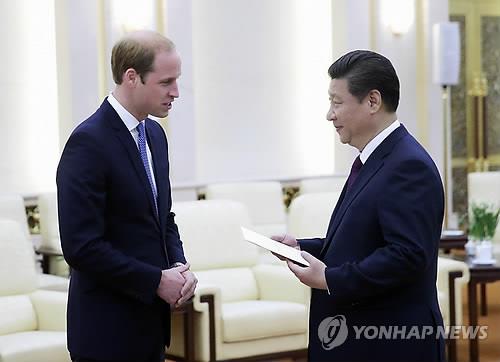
[(50, 308), (200, 297), (277, 282), (457, 273)]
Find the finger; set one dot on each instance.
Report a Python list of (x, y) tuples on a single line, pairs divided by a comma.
[(190, 293), (182, 268), (308, 257), (294, 268), (187, 286), (279, 238)]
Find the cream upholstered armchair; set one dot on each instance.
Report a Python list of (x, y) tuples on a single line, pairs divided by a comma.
[(32, 322), (453, 276), (241, 309), (483, 187), (455, 271), (12, 208)]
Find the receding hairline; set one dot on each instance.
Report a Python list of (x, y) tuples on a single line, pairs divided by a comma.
[(150, 39)]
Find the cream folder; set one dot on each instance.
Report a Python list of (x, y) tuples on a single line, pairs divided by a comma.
[(274, 246)]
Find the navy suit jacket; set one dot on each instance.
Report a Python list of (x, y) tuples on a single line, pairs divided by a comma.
[(381, 253), (113, 239)]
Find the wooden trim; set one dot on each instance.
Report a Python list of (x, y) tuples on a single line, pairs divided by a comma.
[(211, 322), (452, 343), (187, 311)]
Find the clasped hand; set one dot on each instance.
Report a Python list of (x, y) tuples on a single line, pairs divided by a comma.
[(177, 285), (312, 275)]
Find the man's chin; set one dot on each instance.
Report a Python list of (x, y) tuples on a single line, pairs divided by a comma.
[(162, 114)]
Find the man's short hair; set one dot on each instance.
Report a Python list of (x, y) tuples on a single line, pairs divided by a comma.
[(137, 50), (364, 71)]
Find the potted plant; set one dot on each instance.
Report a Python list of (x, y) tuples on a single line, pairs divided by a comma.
[(483, 223)]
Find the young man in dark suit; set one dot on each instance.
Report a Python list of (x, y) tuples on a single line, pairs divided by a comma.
[(117, 231), (373, 276)]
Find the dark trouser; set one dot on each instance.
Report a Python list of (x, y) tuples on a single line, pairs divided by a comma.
[(95, 360), (160, 358)]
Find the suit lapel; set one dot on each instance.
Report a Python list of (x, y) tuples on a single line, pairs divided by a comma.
[(127, 141), (374, 163), (156, 153), (366, 173)]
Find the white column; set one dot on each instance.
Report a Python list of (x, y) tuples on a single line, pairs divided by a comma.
[(28, 97)]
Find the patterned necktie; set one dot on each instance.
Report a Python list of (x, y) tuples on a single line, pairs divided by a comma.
[(356, 167), (144, 156)]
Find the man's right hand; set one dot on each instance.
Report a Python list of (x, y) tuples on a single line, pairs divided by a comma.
[(171, 284), (287, 240)]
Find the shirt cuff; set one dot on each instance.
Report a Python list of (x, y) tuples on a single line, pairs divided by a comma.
[(176, 264), (327, 287)]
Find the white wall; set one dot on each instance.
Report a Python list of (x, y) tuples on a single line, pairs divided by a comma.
[(260, 88), (253, 90), (28, 97)]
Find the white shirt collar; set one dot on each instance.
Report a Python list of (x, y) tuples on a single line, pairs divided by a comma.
[(130, 121), (377, 140)]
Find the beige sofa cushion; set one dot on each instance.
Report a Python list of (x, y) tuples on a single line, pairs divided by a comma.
[(236, 284), (34, 346), (16, 314), (248, 320)]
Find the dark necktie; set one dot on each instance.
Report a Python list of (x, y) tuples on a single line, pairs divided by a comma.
[(356, 167), (144, 156)]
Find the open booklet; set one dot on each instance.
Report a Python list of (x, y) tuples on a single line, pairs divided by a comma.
[(274, 246)]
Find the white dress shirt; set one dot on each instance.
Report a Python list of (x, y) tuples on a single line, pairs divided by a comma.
[(131, 123), (377, 140)]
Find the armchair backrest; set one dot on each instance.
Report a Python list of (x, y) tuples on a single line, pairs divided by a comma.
[(309, 214), (263, 199), (483, 187), (12, 207), (322, 184), (215, 248), (17, 279), (17, 266), (49, 222)]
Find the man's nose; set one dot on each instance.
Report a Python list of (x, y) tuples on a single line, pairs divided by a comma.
[(330, 115), (174, 91)]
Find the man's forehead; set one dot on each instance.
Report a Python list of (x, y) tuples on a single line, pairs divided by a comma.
[(337, 85)]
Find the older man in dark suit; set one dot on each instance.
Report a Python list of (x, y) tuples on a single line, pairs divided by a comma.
[(117, 231), (374, 274)]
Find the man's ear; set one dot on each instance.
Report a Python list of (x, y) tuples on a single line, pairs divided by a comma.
[(374, 99), (130, 77)]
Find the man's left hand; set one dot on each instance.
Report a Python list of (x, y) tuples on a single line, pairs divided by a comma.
[(312, 275), (189, 287)]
